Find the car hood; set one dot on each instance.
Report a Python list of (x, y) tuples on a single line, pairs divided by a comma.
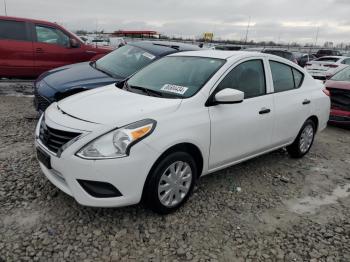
[(112, 106), (81, 75)]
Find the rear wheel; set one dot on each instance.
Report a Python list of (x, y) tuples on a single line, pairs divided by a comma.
[(170, 183), (304, 140)]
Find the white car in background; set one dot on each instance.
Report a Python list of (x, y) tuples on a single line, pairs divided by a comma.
[(184, 116), (325, 67)]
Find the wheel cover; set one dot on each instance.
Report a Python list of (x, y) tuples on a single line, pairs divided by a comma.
[(175, 183), (306, 138)]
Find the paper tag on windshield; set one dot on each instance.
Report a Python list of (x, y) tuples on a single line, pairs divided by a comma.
[(148, 55), (174, 89)]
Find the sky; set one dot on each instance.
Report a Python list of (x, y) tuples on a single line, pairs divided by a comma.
[(284, 21)]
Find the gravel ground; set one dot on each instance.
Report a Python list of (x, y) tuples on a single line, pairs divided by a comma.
[(272, 208)]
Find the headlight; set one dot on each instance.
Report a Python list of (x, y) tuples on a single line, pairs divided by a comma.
[(117, 143)]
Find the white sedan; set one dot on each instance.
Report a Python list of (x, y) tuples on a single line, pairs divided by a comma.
[(325, 67), (182, 117)]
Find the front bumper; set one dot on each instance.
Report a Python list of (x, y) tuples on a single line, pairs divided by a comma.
[(127, 174), (42, 96)]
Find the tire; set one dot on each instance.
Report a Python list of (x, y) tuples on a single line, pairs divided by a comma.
[(303, 142), (164, 184)]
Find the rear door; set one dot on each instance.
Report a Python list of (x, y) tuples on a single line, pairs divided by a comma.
[(16, 49), (292, 102), (52, 48)]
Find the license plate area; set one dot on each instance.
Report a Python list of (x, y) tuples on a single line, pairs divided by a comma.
[(44, 158)]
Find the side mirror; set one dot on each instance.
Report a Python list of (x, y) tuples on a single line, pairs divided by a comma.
[(229, 96), (74, 43)]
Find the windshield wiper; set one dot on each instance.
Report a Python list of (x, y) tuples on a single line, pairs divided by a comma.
[(147, 91)]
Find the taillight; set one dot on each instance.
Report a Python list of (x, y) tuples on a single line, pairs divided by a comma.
[(331, 66), (326, 91)]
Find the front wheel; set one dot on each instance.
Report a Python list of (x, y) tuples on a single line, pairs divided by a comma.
[(304, 140), (170, 183)]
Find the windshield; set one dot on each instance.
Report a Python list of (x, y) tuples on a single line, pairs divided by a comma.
[(343, 75), (176, 75), (124, 61)]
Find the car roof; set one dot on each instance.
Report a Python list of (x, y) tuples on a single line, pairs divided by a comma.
[(219, 54), (21, 19), (162, 48), (333, 56)]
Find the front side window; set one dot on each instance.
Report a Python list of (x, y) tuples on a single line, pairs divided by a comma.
[(180, 76), (125, 61), (51, 35), (13, 30), (248, 77), (285, 77), (343, 75)]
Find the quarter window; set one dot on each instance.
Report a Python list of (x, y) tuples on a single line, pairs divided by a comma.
[(51, 36), (13, 30), (298, 78), (285, 77), (248, 77)]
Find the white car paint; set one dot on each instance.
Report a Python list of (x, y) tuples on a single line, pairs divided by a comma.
[(225, 134), (321, 69)]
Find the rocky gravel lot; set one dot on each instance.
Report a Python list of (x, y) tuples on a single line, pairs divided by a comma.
[(272, 208)]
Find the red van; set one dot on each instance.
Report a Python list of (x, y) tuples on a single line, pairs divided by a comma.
[(30, 47)]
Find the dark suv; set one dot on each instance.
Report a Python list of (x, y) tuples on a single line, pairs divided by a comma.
[(327, 52)]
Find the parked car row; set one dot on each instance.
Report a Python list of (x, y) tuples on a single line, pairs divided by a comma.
[(325, 67)]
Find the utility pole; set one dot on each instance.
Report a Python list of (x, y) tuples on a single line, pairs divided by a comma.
[(318, 30), (5, 7), (246, 33)]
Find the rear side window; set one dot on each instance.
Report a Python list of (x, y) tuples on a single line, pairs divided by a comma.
[(13, 30), (298, 78), (248, 77), (285, 77)]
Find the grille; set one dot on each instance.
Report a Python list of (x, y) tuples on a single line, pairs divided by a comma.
[(41, 102), (54, 139)]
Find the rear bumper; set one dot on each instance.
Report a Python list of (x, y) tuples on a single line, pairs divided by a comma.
[(339, 117)]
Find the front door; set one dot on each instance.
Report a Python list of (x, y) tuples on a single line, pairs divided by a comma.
[(244, 129)]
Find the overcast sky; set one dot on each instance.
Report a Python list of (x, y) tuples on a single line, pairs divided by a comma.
[(276, 20)]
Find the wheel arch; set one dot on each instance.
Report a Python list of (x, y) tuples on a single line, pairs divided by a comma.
[(190, 148), (314, 119)]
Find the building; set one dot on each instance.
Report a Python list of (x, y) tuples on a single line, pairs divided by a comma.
[(136, 34)]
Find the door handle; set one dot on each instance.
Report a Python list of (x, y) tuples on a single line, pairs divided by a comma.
[(39, 50), (264, 111), (306, 102)]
